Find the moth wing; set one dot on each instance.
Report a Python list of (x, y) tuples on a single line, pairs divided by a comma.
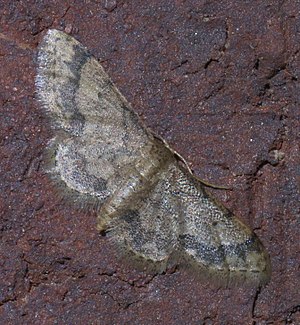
[(214, 242), (99, 141), (176, 221), (149, 229), (97, 135)]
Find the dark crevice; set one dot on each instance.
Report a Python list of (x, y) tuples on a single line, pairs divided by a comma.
[(226, 42), (258, 291), (254, 174), (256, 64), (121, 304), (66, 11), (32, 165), (179, 65), (289, 318), (207, 64), (132, 283), (275, 72), (187, 73), (264, 89), (222, 49), (215, 91)]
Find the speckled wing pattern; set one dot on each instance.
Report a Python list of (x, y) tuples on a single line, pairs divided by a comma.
[(150, 204)]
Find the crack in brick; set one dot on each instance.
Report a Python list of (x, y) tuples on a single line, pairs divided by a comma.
[(289, 318), (258, 291)]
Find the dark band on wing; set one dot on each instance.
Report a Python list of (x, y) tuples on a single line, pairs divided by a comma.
[(216, 255), (207, 253), (69, 88)]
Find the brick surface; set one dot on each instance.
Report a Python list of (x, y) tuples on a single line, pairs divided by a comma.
[(219, 81)]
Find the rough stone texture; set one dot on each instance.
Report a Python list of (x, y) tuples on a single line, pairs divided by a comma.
[(219, 81)]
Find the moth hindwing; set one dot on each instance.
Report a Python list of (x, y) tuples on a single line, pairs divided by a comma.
[(150, 203)]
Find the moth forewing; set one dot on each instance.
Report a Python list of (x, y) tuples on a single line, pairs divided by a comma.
[(152, 206)]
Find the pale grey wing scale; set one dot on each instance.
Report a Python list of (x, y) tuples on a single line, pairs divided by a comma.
[(176, 221), (97, 134), (215, 242), (150, 227), (153, 206)]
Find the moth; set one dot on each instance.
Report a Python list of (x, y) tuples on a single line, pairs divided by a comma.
[(151, 205)]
